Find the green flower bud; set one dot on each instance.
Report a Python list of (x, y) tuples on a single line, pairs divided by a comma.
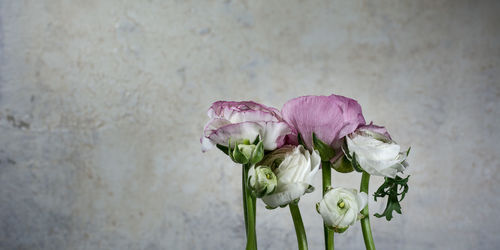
[(261, 180), (248, 153)]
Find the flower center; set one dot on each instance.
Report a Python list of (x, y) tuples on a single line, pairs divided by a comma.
[(341, 204), (268, 176)]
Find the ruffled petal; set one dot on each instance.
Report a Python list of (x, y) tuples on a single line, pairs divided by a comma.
[(285, 194), (329, 117), (237, 133), (273, 134), (377, 129)]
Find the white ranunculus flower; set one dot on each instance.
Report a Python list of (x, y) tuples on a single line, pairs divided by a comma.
[(294, 176), (262, 180), (340, 207), (376, 153)]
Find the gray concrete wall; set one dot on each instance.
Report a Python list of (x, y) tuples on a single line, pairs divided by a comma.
[(102, 104)]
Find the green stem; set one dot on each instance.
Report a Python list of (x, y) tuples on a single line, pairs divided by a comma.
[(365, 222), (327, 183), (249, 211), (299, 226)]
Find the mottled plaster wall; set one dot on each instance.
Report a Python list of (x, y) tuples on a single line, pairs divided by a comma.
[(102, 104)]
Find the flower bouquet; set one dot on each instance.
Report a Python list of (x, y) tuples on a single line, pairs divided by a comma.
[(281, 152)]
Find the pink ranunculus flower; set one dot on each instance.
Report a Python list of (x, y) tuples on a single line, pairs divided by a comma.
[(331, 118), (234, 122)]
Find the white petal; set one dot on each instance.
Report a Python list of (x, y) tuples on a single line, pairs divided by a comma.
[(285, 194), (362, 200), (273, 134), (206, 144), (236, 133)]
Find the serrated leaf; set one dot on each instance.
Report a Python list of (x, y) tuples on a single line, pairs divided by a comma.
[(392, 188), (325, 151)]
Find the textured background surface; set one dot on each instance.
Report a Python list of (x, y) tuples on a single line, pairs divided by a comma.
[(102, 104)]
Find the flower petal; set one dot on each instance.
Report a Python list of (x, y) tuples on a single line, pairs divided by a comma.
[(273, 134), (227, 109), (236, 133), (375, 128), (206, 144), (329, 117), (362, 199), (285, 194)]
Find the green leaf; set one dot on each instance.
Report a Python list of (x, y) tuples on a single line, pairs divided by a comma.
[(325, 151), (392, 188), (408, 151)]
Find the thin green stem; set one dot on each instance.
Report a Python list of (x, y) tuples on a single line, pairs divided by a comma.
[(299, 226), (365, 222), (327, 183), (244, 195), (249, 211)]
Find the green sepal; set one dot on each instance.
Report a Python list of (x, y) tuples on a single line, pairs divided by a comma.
[(256, 141), (408, 151), (222, 148), (392, 188), (343, 165), (229, 149), (270, 208), (261, 193), (301, 141), (317, 208), (238, 156), (310, 189), (282, 206), (325, 151), (339, 230), (355, 163), (258, 153)]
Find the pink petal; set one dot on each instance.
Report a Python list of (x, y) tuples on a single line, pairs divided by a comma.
[(375, 128), (235, 133), (227, 108), (237, 121), (329, 117)]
